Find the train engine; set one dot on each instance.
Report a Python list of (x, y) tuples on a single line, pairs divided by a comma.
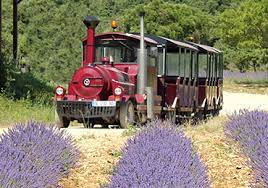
[(128, 78), (104, 89)]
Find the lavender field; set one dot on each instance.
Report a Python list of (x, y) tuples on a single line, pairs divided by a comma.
[(246, 77), (35, 155), (250, 129), (247, 82), (159, 156)]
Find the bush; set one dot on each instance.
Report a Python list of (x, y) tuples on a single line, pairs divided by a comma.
[(27, 86), (159, 156), (35, 155), (250, 130)]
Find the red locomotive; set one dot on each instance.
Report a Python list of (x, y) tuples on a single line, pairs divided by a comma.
[(130, 78)]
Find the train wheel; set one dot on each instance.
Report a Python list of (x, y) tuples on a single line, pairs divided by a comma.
[(61, 122), (205, 111), (216, 110), (126, 114), (89, 124), (172, 116)]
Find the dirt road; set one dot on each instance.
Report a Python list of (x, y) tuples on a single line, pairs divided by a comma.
[(236, 101)]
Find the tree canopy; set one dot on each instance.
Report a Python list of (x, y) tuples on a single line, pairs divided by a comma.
[(50, 32)]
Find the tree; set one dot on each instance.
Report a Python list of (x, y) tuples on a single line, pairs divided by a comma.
[(244, 30), (177, 21)]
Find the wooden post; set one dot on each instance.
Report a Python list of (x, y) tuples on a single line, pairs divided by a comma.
[(15, 30), (150, 103), (1, 27)]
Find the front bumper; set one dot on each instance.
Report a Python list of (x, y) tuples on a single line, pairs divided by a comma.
[(83, 109)]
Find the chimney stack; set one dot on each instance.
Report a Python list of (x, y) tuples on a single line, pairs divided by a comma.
[(142, 76), (91, 23)]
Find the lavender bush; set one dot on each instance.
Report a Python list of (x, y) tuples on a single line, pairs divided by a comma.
[(35, 155), (245, 76), (250, 129), (159, 156)]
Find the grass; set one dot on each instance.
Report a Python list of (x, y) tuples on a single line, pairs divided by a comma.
[(23, 110), (246, 86), (226, 166)]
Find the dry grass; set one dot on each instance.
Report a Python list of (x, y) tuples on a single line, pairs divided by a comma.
[(231, 86), (99, 155), (226, 166)]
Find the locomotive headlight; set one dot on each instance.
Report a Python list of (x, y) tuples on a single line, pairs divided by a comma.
[(60, 91), (86, 82), (118, 91)]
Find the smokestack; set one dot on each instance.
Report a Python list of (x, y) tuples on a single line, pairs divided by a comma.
[(91, 23), (142, 76)]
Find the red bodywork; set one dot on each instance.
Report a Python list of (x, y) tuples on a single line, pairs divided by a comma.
[(103, 81), (105, 78), (114, 84)]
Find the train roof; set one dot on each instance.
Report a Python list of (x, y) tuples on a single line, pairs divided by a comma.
[(180, 43), (205, 48), (158, 40), (169, 42), (120, 36)]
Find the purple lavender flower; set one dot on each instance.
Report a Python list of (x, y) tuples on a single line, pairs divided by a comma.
[(250, 130), (159, 156), (236, 75), (35, 155)]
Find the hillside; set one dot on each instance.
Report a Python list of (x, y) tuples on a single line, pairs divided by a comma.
[(50, 31)]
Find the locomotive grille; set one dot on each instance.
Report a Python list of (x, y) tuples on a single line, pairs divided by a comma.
[(81, 109)]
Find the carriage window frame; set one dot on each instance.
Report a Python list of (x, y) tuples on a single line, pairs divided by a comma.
[(182, 62), (216, 66), (187, 63), (172, 62), (160, 63), (179, 64), (203, 65), (194, 71)]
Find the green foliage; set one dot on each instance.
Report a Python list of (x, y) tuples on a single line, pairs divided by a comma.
[(2, 72), (23, 110), (243, 33), (50, 32), (132, 130), (177, 21), (26, 86)]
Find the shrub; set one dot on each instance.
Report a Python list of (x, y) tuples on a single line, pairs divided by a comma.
[(35, 155), (250, 130), (159, 156)]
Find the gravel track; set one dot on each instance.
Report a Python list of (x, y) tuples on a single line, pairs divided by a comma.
[(237, 101)]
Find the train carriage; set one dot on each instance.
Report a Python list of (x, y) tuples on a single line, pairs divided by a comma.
[(130, 78)]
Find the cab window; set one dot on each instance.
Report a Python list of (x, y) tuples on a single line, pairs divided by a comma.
[(117, 51)]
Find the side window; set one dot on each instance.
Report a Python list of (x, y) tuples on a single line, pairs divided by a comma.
[(182, 60), (194, 64), (210, 65), (187, 64), (216, 65), (172, 63), (221, 65), (160, 64), (203, 62)]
